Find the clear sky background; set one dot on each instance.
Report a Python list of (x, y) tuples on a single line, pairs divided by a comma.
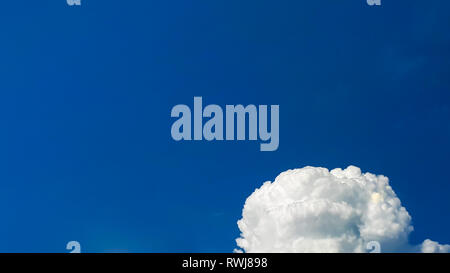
[(86, 93)]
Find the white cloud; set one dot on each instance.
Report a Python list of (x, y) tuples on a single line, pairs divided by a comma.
[(429, 246), (316, 210)]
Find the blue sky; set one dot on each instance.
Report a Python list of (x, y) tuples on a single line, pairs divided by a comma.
[(86, 93)]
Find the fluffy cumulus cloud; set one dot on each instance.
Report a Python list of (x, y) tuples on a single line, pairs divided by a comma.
[(429, 246), (316, 210)]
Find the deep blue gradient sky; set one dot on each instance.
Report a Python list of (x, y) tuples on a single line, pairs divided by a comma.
[(86, 93)]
